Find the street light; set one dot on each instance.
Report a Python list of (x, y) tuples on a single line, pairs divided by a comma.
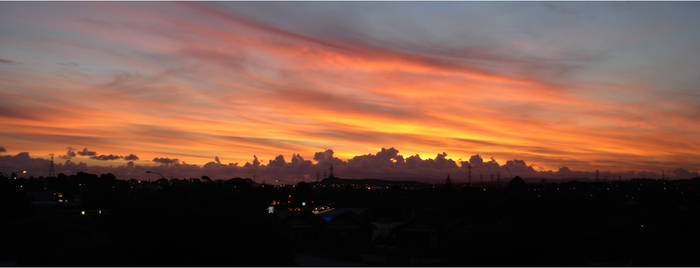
[(14, 174)]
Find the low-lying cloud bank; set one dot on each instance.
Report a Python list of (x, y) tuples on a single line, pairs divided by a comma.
[(93, 155), (387, 163)]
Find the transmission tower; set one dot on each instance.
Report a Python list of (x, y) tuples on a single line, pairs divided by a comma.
[(52, 171)]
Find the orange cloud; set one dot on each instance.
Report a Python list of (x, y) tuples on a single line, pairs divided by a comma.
[(228, 86)]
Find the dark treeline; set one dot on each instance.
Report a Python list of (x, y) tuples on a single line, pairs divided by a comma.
[(86, 219)]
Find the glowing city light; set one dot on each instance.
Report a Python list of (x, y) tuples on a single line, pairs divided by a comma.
[(82, 212)]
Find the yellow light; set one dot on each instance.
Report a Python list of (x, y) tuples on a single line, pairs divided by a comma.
[(82, 212)]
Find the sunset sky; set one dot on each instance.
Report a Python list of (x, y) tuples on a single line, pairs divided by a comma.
[(612, 86)]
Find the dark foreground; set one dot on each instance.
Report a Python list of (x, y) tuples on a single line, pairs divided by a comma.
[(100, 221)]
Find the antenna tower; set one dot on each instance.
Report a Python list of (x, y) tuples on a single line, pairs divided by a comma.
[(52, 171)]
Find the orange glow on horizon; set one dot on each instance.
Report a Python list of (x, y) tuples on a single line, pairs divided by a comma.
[(234, 88)]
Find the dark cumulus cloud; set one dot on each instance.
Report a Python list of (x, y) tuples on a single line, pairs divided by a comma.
[(85, 152), (6, 61), (106, 157), (256, 162), (165, 160), (15, 110), (387, 163), (2, 149), (69, 154)]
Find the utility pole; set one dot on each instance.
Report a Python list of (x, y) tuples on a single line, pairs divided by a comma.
[(509, 173), (470, 174)]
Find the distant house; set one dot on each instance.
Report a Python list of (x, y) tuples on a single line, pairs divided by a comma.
[(415, 240), (383, 230), (459, 230), (315, 261), (420, 234), (53, 199), (148, 187), (47, 198), (346, 228), (302, 228), (329, 214)]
